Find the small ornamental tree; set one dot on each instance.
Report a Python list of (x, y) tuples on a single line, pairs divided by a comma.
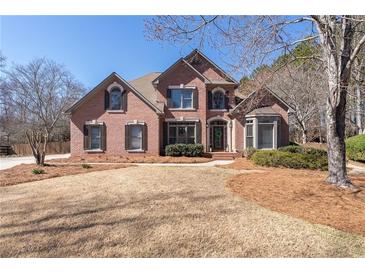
[(40, 92)]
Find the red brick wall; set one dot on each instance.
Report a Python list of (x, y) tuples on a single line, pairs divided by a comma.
[(208, 70), (93, 109), (277, 106), (182, 74)]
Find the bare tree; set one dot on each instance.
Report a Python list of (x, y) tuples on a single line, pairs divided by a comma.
[(40, 92), (248, 41), (302, 87)]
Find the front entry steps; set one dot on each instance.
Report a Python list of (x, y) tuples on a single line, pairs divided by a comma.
[(224, 155)]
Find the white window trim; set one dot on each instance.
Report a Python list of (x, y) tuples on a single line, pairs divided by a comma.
[(256, 124), (182, 122), (115, 85), (109, 89), (140, 123), (218, 89), (99, 124), (182, 87)]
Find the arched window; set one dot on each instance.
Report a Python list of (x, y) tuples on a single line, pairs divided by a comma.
[(115, 99), (218, 99)]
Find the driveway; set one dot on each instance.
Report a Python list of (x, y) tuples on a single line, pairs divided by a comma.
[(8, 162), (151, 211)]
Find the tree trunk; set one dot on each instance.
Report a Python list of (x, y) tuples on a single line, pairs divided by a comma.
[(304, 136), (359, 109), (336, 144)]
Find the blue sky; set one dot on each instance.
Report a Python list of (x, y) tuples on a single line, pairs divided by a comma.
[(91, 47)]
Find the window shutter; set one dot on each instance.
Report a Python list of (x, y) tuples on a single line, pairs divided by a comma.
[(103, 137), (168, 97), (195, 99), (209, 100), (165, 141), (126, 139), (106, 100), (86, 137), (144, 137), (124, 100), (198, 132), (226, 100)]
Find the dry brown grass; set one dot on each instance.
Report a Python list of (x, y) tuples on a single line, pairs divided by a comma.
[(23, 173), (153, 211), (131, 159), (303, 194)]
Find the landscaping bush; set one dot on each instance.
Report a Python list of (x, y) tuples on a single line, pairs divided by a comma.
[(188, 150), (355, 148), (292, 149), (38, 171), (87, 166), (302, 158), (248, 152)]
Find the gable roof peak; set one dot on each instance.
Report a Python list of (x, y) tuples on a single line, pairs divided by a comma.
[(196, 51)]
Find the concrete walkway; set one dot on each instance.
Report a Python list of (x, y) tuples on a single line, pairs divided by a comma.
[(8, 162)]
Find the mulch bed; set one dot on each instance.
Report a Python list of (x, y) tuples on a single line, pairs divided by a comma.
[(131, 159), (303, 194), (23, 173)]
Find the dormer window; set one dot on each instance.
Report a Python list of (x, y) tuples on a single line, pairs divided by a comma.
[(115, 99)]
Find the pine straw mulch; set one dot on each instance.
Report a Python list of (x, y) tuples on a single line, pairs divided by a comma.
[(302, 194), (131, 159), (23, 173)]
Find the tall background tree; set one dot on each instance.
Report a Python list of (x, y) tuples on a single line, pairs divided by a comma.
[(249, 41), (38, 94)]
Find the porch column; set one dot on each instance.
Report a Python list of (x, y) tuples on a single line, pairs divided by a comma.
[(255, 132), (207, 134), (229, 136), (275, 135)]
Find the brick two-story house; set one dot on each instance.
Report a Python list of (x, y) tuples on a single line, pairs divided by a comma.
[(193, 101)]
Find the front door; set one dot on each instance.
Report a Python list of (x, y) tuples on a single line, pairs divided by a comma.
[(218, 138)]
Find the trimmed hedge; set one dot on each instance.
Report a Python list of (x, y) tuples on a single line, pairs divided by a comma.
[(292, 157), (188, 150), (355, 148)]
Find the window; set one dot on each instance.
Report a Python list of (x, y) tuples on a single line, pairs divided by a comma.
[(249, 133), (182, 98), (265, 136), (218, 100), (94, 137), (181, 133), (136, 137), (115, 99)]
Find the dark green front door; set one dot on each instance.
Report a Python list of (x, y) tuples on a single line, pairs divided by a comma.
[(218, 138)]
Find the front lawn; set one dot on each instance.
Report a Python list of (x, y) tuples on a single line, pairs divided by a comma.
[(152, 211), (30, 172), (302, 194), (132, 159)]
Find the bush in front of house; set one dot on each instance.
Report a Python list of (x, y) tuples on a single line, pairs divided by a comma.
[(306, 158), (188, 150), (355, 148), (86, 166)]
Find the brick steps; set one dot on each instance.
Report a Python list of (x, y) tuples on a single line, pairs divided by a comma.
[(224, 155)]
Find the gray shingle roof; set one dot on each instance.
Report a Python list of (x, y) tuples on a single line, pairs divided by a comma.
[(144, 85), (264, 111)]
